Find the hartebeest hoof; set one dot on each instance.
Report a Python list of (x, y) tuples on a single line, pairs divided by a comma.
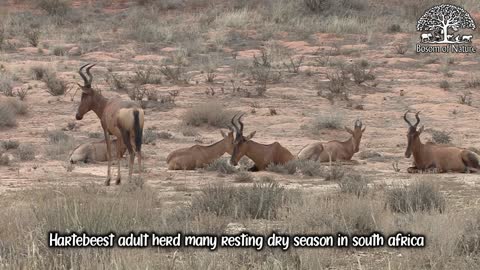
[(107, 182), (118, 180)]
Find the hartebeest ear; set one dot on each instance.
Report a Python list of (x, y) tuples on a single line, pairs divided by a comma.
[(250, 136), (420, 130), (223, 134), (348, 130), (364, 129)]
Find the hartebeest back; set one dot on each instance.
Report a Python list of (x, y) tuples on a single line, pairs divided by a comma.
[(198, 156), (261, 154), (93, 151), (431, 156), (123, 119), (334, 150)]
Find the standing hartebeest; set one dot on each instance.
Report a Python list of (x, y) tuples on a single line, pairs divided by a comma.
[(198, 156), (261, 154), (431, 156), (123, 119), (334, 150)]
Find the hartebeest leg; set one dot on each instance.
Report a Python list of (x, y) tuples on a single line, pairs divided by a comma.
[(139, 160), (119, 158), (109, 156), (131, 155)]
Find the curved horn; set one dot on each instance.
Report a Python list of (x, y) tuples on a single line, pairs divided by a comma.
[(358, 123), (418, 119), (405, 118), (85, 81), (233, 123), (240, 122), (90, 77)]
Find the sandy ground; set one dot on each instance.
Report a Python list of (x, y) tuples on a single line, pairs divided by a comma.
[(382, 115)]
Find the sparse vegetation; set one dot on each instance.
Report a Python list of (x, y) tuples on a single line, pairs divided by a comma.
[(39, 72), (33, 36), (149, 136), (59, 144), (9, 109), (324, 121), (260, 201), (362, 72), (26, 152), (441, 137), (10, 144), (6, 84), (473, 83), (355, 184), (420, 196), (211, 113), (55, 85), (465, 98), (55, 7), (243, 177), (445, 85), (222, 166)]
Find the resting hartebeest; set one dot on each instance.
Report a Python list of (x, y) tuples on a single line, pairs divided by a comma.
[(431, 156), (334, 150), (198, 156), (261, 154), (123, 119), (93, 151)]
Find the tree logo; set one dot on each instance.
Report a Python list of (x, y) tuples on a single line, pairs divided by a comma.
[(439, 24)]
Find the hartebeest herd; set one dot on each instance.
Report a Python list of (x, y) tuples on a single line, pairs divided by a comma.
[(125, 120)]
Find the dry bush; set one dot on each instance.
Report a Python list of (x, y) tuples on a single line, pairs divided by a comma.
[(115, 82), (59, 51), (175, 74), (469, 242), (6, 84), (39, 72), (473, 83), (146, 75), (4, 159), (362, 72), (149, 136), (33, 36), (445, 85), (337, 84), (10, 144), (243, 177), (440, 137), (54, 7), (165, 135), (465, 98), (262, 72), (55, 85), (354, 184), (59, 144), (287, 168), (9, 109), (401, 48), (420, 196), (22, 93), (293, 66), (324, 121), (221, 165), (26, 152), (210, 113), (260, 201)]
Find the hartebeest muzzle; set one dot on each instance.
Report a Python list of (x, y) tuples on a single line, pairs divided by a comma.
[(78, 116)]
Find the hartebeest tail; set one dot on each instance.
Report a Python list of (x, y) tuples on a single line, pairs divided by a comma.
[(334, 150), (261, 154), (123, 119), (437, 157)]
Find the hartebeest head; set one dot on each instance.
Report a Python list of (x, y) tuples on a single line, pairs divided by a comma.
[(412, 134), (88, 94), (228, 140), (239, 143), (356, 134)]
